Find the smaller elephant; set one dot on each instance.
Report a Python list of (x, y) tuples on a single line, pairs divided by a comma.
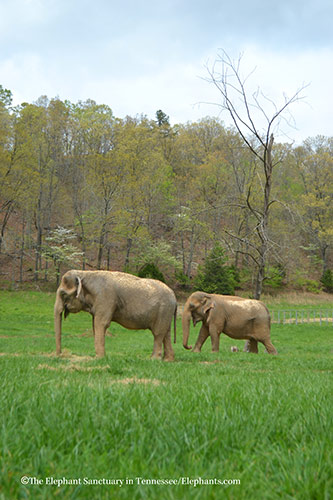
[(135, 303), (237, 317)]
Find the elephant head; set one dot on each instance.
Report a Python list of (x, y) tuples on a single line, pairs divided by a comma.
[(198, 307)]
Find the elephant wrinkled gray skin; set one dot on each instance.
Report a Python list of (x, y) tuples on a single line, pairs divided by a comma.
[(135, 303), (237, 317)]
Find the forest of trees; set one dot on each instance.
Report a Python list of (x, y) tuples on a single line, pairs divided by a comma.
[(80, 187)]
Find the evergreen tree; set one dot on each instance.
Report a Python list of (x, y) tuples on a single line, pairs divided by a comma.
[(327, 281), (215, 276), (162, 118), (150, 270)]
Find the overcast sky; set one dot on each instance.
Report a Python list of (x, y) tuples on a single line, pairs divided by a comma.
[(139, 56)]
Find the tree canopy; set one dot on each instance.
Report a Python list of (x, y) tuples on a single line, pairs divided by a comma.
[(135, 192)]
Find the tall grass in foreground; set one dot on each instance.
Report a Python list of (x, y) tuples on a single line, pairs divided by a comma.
[(264, 420)]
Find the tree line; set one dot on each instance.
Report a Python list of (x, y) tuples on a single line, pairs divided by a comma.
[(80, 187)]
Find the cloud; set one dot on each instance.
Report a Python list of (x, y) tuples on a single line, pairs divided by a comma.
[(17, 17), (180, 89), (138, 57)]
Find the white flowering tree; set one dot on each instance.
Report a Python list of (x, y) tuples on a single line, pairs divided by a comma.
[(59, 248)]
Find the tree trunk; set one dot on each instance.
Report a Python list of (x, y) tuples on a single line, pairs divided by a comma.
[(190, 257), (262, 228), (324, 257), (100, 247), (8, 212), (22, 249), (259, 280), (39, 235), (83, 244), (108, 258), (128, 251)]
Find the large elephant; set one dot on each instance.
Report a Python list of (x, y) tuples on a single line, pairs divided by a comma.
[(237, 317), (135, 303)]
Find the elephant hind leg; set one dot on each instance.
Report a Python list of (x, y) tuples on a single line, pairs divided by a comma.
[(158, 343), (269, 346), (169, 354), (251, 345)]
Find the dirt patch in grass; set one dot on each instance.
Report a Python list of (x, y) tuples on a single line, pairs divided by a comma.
[(15, 354), (66, 354), (135, 380), (26, 336), (78, 368), (72, 367), (209, 362)]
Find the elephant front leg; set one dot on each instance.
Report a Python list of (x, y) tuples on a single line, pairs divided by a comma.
[(100, 327), (202, 337), (215, 338)]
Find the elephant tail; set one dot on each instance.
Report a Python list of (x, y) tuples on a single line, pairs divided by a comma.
[(175, 325)]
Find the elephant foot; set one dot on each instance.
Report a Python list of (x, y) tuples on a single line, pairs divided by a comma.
[(156, 356), (269, 347), (196, 349), (169, 359)]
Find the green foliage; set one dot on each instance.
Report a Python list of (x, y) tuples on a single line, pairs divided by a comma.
[(215, 276), (327, 281), (275, 277), (183, 280), (243, 278), (237, 275), (129, 181), (6, 97), (150, 270), (308, 285)]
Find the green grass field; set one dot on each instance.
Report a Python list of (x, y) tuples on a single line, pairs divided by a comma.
[(263, 420)]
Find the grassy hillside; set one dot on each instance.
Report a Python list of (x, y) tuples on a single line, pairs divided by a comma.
[(265, 421)]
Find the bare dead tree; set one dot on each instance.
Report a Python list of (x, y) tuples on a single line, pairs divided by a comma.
[(256, 125)]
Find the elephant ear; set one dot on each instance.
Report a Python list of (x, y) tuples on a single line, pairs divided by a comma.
[(208, 307)]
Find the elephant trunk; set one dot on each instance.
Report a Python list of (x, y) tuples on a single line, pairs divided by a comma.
[(186, 321), (58, 309)]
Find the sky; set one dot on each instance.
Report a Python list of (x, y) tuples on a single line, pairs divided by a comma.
[(138, 56)]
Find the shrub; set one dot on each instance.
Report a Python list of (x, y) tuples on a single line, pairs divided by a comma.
[(308, 285)]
